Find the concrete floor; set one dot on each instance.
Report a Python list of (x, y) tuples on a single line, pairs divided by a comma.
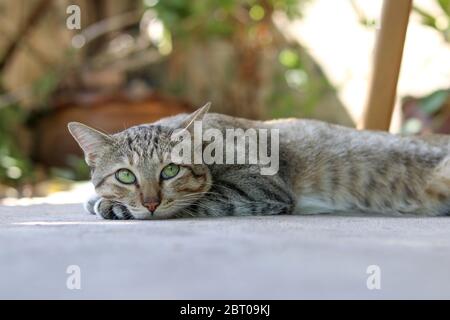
[(287, 257)]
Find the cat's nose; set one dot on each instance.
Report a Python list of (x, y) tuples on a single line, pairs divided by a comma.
[(151, 205)]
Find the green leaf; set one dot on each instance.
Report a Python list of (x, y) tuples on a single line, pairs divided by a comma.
[(445, 6), (434, 101), (427, 18), (289, 58), (45, 86)]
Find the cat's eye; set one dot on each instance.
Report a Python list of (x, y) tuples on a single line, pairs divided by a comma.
[(170, 171), (125, 176)]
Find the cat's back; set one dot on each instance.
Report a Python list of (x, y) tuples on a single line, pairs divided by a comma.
[(294, 131), (315, 131)]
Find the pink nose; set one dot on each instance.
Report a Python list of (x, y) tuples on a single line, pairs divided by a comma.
[(151, 206)]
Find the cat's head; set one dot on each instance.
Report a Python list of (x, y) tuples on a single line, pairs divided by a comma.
[(135, 168)]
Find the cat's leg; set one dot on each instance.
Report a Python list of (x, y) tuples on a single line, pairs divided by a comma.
[(107, 209), (229, 198), (220, 206)]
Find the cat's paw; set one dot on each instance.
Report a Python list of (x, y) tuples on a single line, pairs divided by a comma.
[(110, 210), (89, 204)]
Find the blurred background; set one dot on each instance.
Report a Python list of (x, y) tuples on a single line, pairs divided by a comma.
[(128, 62)]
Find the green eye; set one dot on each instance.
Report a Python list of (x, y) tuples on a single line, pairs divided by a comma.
[(125, 176), (170, 171)]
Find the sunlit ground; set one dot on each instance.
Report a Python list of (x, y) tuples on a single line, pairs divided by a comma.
[(78, 193), (94, 222)]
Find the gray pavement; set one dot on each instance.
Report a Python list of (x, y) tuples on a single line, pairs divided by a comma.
[(283, 257)]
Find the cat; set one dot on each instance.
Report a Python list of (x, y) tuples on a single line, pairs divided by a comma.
[(323, 168)]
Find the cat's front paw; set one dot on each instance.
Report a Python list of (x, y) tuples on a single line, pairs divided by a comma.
[(110, 210)]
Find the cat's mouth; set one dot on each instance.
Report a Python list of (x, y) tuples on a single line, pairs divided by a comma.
[(167, 209), (164, 211)]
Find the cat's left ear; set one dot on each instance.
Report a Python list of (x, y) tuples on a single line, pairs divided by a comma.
[(93, 142), (197, 115)]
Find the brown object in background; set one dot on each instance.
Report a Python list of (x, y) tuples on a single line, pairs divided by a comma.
[(53, 143), (427, 115), (386, 66)]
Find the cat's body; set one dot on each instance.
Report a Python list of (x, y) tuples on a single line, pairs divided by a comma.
[(323, 168)]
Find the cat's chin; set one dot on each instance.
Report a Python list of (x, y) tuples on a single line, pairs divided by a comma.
[(145, 215)]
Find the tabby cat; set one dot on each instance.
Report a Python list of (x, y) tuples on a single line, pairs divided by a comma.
[(323, 168)]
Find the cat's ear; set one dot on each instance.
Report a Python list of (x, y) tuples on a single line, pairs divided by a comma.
[(188, 123), (93, 142)]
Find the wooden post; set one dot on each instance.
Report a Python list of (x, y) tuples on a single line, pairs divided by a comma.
[(386, 67)]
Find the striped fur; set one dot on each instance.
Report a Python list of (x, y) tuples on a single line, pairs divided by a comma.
[(323, 168)]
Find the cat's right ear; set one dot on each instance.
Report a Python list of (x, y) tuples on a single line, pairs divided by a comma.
[(188, 123), (91, 141)]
